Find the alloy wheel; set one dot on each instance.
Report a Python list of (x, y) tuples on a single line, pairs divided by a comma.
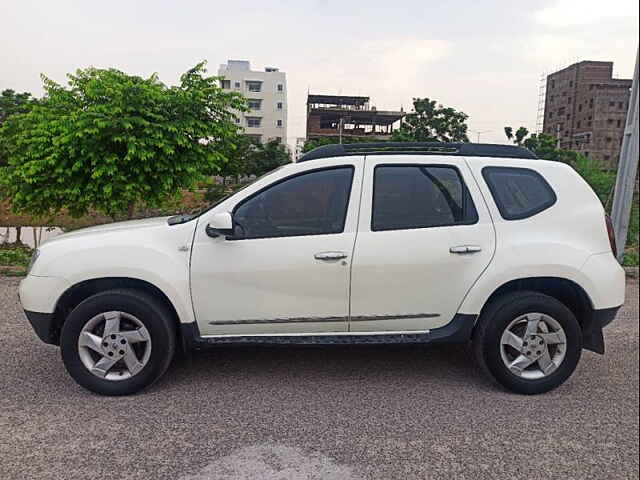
[(533, 346), (114, 345)]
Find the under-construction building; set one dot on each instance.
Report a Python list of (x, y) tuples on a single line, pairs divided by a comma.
[(345, 117), (585, 108)]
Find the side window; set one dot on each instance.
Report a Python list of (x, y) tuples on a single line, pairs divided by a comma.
[(518, 192), (414, 196), (314, 203)]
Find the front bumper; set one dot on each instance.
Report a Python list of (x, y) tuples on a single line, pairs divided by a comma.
[(45, 326), (39, 296)]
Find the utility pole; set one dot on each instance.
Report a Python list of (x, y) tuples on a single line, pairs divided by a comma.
[(479, 132), (627, 171)]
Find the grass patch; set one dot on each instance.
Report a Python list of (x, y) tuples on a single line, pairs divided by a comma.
[(14, 255), (13, 271), (14, 260), (633, 241)]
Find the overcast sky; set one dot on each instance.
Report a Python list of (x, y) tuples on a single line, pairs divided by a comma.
[(482, 57)]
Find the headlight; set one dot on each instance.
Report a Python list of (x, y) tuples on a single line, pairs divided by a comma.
[(34, 257)]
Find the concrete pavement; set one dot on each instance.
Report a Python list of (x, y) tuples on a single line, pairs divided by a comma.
[(336, 413)]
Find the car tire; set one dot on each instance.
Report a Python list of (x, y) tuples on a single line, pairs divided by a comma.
[(144, 344), (538, 362)]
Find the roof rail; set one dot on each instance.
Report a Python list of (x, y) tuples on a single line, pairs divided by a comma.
[(419, 148)]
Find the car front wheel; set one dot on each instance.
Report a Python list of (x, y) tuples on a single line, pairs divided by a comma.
[(528, 342), (118, 342)]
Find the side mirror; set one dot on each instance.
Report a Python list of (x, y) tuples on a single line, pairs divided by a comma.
[(220, 224)]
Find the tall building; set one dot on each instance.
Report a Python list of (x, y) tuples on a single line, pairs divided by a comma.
[(585, 108), (266, 94), (344, 117), (300, 141)]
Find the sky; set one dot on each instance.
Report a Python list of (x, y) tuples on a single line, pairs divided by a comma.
[(484, 58)]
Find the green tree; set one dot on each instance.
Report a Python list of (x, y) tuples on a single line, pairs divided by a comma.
[(430, 122), (109, 141), (519, 137), (12, 103), (236, 159), (545, 146), (265, 157)]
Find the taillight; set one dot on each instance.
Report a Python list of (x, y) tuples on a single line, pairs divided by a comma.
[(612, 235)]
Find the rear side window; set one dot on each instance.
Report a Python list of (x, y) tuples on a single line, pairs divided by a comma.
[(518, 192), (417, 196)]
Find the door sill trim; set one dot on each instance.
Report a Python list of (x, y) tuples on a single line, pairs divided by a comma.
[(323, 334), (458, 330)]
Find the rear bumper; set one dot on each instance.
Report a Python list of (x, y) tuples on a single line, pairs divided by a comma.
[(604, 281), (45, 326), (592, 325), (605, 316)]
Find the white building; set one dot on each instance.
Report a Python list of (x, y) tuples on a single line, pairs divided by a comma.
[(300, 141), (266, 94)]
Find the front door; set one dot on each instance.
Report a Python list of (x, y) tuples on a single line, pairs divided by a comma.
[(425, 236), (286, 268)]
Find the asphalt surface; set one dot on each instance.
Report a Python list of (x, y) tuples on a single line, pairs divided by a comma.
[(339, 413)]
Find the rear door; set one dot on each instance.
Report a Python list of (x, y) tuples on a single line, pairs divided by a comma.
[(424, 237)]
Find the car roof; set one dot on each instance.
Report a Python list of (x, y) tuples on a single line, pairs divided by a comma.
[(419, 148)]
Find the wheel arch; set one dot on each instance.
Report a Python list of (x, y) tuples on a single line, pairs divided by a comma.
[(570, 293), (566, 291), (80, 291)]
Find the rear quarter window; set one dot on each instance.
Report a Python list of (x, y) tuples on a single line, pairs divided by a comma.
[(518, 192)]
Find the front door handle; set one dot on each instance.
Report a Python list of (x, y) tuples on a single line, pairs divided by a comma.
[(464, 249), (330, 256)]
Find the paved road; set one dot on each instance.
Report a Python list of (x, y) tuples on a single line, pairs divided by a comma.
[(343, 413)]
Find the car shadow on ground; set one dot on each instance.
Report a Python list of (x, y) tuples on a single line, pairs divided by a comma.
[(437, 364)]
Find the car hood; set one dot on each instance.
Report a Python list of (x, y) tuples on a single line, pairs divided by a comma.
[(129, 225)]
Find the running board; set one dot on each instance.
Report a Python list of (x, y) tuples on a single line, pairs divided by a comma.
[(457, 330)]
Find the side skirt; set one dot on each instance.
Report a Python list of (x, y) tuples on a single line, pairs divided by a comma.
[(457, 330)]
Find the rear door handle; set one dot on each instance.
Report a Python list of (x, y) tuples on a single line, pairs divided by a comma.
[(464, 249), (330, 256)]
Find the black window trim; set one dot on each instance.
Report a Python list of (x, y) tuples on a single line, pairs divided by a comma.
[(289, 177), (528, 214), (422, 165)]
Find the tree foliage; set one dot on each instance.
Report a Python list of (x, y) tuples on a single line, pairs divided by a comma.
[(246, 158), (431, 122), (109, 140), (266, 157), (12, 103), (520, 134), (545, 146)]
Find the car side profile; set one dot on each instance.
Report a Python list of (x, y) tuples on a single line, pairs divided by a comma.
[(413, 243)]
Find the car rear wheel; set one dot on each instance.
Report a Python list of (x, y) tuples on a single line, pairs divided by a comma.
[(118, 342), (528, 342)]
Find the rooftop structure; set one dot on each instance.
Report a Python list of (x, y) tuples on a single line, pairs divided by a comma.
[(344, 116)]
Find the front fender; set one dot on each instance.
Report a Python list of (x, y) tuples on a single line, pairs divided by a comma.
[(158, 255)]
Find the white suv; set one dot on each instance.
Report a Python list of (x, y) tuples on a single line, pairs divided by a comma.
[(354, 244)]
